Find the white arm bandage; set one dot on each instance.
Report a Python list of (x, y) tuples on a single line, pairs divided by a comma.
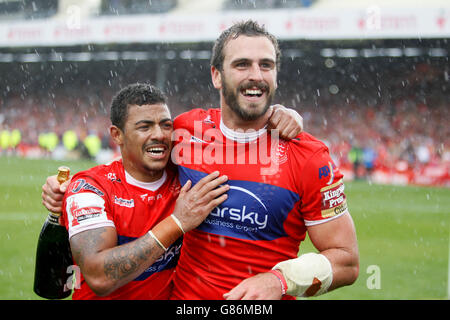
[(306, 276)]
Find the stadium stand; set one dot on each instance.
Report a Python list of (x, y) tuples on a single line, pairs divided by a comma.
[(404, 124), (381, 105), (126, 7), (381, 3), (27, 9), (266, 4)]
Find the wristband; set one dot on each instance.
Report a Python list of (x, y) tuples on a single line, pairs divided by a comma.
[(280, 277), (157, 240), (178, 223), (167, 232)]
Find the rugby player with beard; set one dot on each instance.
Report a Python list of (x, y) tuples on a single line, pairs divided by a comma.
[(247, 247)]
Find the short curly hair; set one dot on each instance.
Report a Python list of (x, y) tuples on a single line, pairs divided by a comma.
[(134, 94), (248, 28)]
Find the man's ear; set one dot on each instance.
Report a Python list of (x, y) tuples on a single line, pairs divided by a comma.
[(116, 135), (216, 78)]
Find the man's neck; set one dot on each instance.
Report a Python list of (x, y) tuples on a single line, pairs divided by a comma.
[(241, 136), (234, 122), (137, 174), (152, 186)]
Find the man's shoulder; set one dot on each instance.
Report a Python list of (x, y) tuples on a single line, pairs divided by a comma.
[(307, 149), (307, 143), (101, 174), (187, 119)]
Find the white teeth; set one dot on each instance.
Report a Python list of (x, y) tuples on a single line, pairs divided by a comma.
[(155, 150), (253, 91)]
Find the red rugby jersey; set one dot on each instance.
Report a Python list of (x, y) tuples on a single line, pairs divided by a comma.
[(277, 188), (106, 196)]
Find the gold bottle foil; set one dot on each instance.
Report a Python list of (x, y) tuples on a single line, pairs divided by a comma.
[(63, 174)]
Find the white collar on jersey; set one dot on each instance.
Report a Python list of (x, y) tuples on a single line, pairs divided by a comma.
[(151, 186), (241, 136)]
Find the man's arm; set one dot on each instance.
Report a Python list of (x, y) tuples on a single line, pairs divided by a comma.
[(335, 239), (107, 267)]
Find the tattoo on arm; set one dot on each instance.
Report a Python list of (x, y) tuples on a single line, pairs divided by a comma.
[(119, 262), (86, 244), (126, 259)]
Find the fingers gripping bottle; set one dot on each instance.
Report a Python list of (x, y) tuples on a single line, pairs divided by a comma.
[(53, 255)]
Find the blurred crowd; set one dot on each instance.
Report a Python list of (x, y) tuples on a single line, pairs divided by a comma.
[(405, 137), (405, 134)]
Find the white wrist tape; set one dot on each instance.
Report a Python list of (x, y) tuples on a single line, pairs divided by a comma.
[(178, 222), (157, 240), (306, 276)]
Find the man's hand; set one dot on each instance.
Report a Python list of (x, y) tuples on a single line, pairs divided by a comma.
[(53, 193), (287, 121), (263, 286), (194, 204)]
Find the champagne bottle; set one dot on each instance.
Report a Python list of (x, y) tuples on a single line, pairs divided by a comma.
[(53, 255)]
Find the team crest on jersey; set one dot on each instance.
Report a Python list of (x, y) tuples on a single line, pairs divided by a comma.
[(333, 200), (280, 155), (175, 187)]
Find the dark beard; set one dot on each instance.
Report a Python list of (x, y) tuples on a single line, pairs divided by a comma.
[(231, 100)]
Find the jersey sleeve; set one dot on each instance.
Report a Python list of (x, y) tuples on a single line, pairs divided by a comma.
[(85, 206), (323, 197)]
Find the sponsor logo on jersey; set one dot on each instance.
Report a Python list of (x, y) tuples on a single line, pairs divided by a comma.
[(333, 199), (327, 171), (324, 172), (253, 210), (129, 203), (145, 197), (81, 184), (112, 176), (208, 120), (84, 208), (243, 214), (195, 139)]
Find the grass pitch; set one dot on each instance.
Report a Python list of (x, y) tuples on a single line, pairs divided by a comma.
[(403, 235)]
